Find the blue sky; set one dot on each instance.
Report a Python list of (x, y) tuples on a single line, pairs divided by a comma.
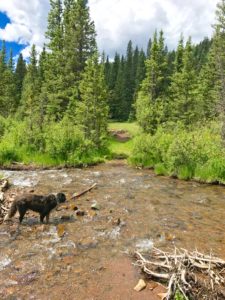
[(117, 22), (17, 48)]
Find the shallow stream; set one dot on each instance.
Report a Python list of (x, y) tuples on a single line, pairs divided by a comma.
[(67, 258)]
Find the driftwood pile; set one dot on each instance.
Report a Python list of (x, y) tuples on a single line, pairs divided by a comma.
[(4, 185), (194, 275)]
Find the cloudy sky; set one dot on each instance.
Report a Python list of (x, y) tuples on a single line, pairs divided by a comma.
[(24, 22)]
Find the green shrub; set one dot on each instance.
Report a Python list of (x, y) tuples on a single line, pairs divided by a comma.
[(183, 153), (7, 154), (143, 152), (62, 140), (2, 126), (212, 171), (60, 143), (160, 169)]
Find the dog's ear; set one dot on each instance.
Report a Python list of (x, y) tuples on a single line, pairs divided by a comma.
[(61, 197)]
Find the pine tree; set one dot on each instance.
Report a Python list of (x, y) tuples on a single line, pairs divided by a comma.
[(43, 95), (140, 75), (108, 70), (141, 71), (92, 110), (20, 73), (114, 72), (218, 49), (183, 89), (179, 55), (119, 104), (7, 83), (150, 101), (129, 81), (71, 36), (55, 27), (3, 67), (111, 85), (30, 105), (10, 84), (80, 37), (136, 60), (201, 51), (3, 64), (55, 83), (149, 47), (207, 90)]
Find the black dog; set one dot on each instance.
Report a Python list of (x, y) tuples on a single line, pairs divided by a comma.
[(38, 203)]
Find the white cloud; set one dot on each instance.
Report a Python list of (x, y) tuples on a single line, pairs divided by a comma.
[(117, 21), (28, 22)]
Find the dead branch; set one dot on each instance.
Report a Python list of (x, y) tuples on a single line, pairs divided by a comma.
[(77, 195), (194, 274)]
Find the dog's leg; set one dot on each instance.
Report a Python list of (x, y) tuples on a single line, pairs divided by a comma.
[(42, 218), (47, 218), (22, 212)]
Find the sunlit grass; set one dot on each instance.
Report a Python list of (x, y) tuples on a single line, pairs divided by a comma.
[(121, 149), (132, 128)]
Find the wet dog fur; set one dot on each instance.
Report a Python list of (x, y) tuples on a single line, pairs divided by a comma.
[(38, 203)]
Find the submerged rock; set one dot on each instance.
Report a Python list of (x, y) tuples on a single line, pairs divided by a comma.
[(6, 261), (80, 213), (61, 230), (140, 286), (73, 207), (87, 243), (95, 206), (66, 218)]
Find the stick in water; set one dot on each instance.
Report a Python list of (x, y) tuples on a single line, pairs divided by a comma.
[(77, 195)]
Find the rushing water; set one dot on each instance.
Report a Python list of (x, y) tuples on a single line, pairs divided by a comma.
[(136, 211)]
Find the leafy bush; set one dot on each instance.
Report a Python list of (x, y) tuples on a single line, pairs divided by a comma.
[(2, 126), (60, 143), (7, 153), (62, 140), (186, 154), (151, 150)]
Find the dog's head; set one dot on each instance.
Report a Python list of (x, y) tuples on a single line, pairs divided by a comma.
[(60, 197)]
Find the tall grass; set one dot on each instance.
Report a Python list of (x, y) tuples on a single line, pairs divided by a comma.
[(120, 149), (60, 144), (186, 154)]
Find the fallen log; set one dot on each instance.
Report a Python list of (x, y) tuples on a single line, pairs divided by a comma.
[(77, 195)]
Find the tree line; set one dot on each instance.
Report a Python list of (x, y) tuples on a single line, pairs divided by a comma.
[(125, 74)]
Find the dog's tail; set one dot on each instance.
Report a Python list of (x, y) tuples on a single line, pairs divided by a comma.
[(12, 211)]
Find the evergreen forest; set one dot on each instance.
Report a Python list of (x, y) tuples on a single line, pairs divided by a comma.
[(55, 108)]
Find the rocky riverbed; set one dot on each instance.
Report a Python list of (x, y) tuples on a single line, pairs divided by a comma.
[(87, 255)]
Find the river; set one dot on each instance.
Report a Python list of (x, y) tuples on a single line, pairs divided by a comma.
[(88, 257)]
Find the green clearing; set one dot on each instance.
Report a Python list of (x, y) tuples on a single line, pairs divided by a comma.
[(120, 149), (132, 128)]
